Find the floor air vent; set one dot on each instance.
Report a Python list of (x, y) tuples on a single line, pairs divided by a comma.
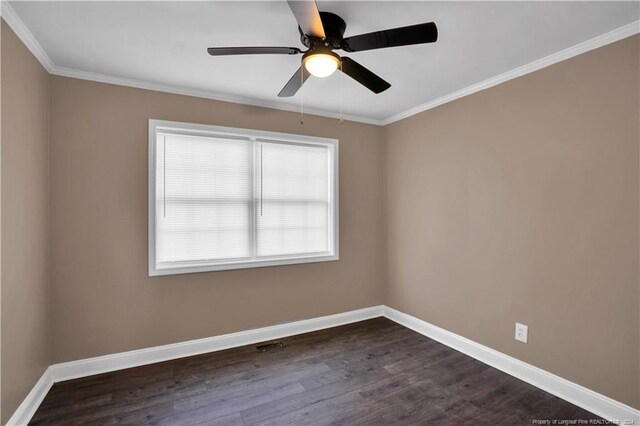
[(269, 346)]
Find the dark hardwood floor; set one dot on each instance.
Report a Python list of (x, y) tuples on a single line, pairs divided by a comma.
[(369, 373)]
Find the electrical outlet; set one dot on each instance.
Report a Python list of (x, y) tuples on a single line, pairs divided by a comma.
[(522, 332)]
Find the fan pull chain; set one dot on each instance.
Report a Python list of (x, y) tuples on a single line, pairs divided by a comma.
[(301, 95), (261, 185), (164, 175), (341, 118)]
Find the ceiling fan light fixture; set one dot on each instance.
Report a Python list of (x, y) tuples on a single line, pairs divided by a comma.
[(323, 32), (321, 64)]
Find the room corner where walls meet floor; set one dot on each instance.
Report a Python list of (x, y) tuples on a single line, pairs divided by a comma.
[(571, 392), (555, 176)]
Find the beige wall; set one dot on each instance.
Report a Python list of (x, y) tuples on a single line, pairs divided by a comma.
[(103, 300), (520, 203), (25, 222)]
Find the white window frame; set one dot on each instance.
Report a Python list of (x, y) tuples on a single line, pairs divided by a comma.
[(229, 132)]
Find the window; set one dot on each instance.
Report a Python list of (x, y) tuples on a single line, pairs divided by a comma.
[(223, 198)]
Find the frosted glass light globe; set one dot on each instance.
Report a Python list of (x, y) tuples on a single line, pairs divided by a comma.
[(321, 64)]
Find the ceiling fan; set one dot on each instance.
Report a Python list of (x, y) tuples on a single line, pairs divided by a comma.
[(322, 33)]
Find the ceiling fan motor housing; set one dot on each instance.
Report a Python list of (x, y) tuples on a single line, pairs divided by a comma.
[(334, 27)]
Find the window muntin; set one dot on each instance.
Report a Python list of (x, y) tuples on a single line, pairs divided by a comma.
[(224, 198)]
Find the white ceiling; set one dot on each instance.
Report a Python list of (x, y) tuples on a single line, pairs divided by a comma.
[(165, 43)]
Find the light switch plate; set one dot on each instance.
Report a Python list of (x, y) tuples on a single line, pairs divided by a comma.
[(522, 332)]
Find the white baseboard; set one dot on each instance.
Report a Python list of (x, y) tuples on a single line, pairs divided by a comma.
[(28, 408), (594, 402), (562, 388), (103, 364)]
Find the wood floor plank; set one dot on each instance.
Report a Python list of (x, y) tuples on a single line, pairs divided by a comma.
[(221, 408), (316, 395), (374, 372)]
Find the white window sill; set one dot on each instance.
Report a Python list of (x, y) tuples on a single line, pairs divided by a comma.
[(243, 264)]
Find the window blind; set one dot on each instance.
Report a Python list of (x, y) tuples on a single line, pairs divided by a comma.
[(203, 199), (293, 212), (225, 198)]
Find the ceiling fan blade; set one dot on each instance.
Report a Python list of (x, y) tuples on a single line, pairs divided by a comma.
[(308, 17), (363, 76), (294, 83), (218, 51), (404, 36)]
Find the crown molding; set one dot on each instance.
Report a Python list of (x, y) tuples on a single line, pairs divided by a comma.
[(21, 30), (23, 33), (596, 42), (199, 93)]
